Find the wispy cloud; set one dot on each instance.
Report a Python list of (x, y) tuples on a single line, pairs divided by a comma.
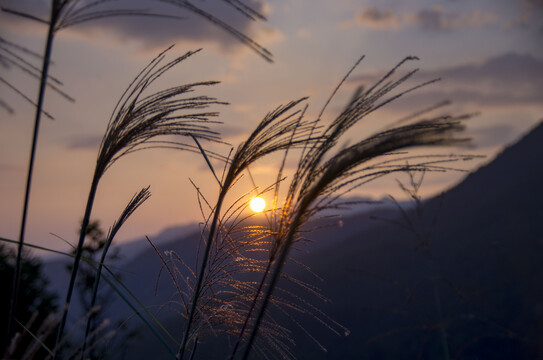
[(435, 18), (507, 71), (84, 142), (509, 79), (529, 16), (493, 135), (268, 35), (5, 168), (303, 33), (532, 3), (378, 19), (231, 131)]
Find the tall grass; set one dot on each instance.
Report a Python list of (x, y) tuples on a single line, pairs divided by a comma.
[(236, 276), (66, 13), (39, 106), (138, 122), (215, 296), (317, 181), (134, 203)]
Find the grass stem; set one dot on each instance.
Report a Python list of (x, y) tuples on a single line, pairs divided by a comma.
[(77, 258), (39, 106)]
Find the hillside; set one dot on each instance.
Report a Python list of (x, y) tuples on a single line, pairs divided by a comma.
[(474, 279)]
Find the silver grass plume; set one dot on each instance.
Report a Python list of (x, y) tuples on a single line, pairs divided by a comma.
[(317, 180), (137, 122), (66, 13), (280, 129)]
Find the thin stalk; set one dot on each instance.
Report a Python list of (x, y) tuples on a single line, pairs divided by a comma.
[(136, 201), (251, 309), (95, 295), (272, 254), (194, 349), (275, 277), (136, 311), (442, 331), (39, 106), (199, 281), (202, 151), (439, 313), (77, 258)]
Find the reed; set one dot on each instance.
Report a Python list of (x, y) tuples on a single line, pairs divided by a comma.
[(214, 296), (140, 121), (134, 203), (66, 13), (318, 181), (221, 295)]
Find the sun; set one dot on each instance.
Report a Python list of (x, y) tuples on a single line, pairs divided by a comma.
[(257, 204)]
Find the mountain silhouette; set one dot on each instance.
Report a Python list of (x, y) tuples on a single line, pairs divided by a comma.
[(465, 282)]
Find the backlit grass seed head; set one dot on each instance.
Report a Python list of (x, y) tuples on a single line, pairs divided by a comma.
[(138, 120), (317, 179), (279, 130)]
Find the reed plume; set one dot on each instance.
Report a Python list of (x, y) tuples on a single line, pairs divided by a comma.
[(317, 182), (66, 13), (141, 121), (220, 301), (274, 133)]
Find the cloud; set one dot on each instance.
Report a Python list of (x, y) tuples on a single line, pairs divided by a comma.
[(510, 70), (157, 33), (438, 18), (435, 18), (529, 16), (84, 142), (268, 35), (509, 79), (372, 17), (495, 135), (231, 131), (375, 18), (534, 3)]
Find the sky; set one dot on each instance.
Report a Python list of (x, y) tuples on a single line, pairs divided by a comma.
[(488, 54)]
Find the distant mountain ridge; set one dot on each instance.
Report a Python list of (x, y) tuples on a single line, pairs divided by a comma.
[(486, 251)]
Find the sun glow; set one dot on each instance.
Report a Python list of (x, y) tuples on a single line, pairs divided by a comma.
[(257, 204)]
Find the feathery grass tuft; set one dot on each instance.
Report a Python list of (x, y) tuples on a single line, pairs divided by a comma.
[(317, 182), (274, 133), (140, 121), (137, 120), (220, 301), (65, 13)]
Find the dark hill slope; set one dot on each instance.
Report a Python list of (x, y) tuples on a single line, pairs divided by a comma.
[(468, 286)]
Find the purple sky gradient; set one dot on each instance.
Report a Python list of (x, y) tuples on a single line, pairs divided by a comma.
[(487, 53)]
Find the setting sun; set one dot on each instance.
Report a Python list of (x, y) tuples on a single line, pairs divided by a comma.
[(257, 204)]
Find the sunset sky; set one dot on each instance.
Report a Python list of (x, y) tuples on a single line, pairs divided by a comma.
[(488, 53)]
